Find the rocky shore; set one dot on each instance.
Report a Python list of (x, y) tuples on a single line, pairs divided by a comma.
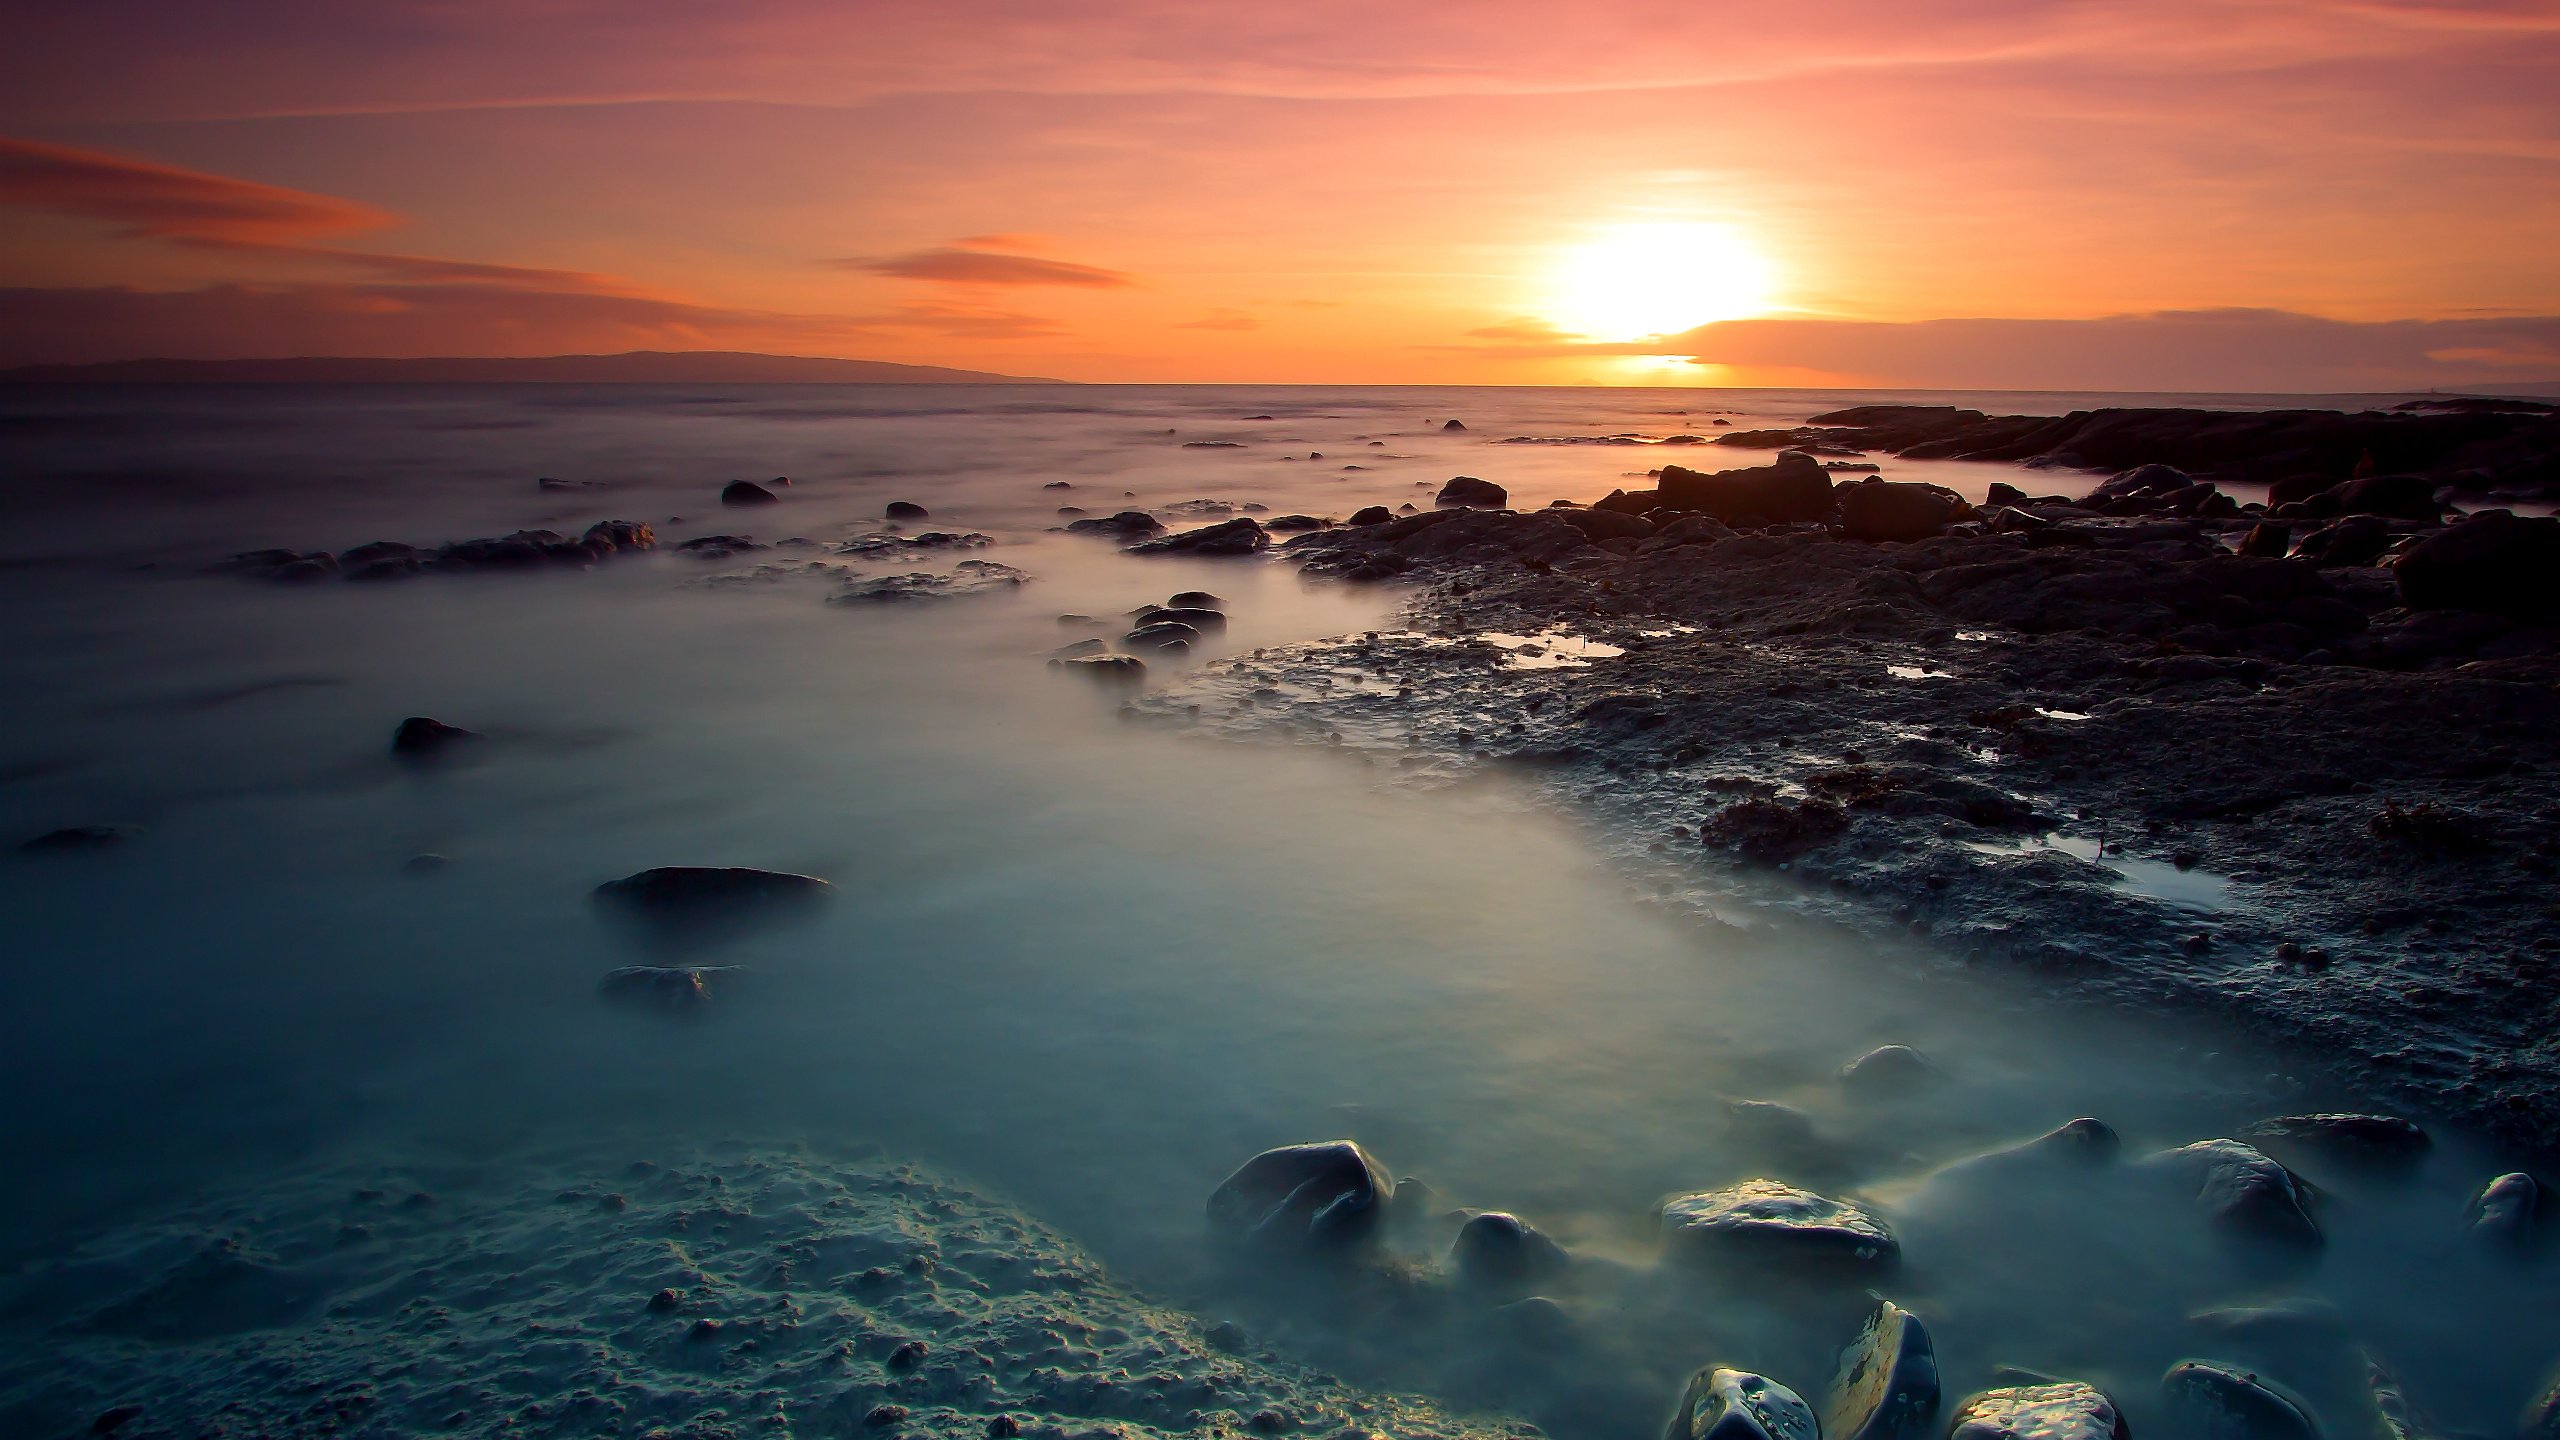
[(2295, 759)]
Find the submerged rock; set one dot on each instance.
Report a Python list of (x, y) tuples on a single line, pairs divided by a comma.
[(969, 577), (1371, 515), (1196, 600), (1454, 425), (1206, 621), (1468, 490), (1887, 1388), (1722, 1403), (2063, 1410), (906, 510), (1890, 1069), (2238, 1187), (2508, 1210), (1165, 635), (2383, 1140), (2230, 1403), (719, 547), (422, 737), (1241, 536), (1764, 1219), (679, 893), (79, 839), (675, 989), (1126, 522), (1499, 1250), (1104, 669), (746, 492), (1328, 1193)]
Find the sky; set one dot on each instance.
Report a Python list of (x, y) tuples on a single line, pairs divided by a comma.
[(2048, 194)]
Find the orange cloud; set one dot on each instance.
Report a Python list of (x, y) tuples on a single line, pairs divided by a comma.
[(961, 265), (164, 202), (1221, 320)]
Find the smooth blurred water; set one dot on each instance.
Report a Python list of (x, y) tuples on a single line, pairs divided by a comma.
[(1092, 964)]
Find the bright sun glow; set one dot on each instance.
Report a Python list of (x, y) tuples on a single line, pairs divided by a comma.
[(1658, 278)]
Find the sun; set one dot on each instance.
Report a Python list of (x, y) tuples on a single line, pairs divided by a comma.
[(1659, 277)]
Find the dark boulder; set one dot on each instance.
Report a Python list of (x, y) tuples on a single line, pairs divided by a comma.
[(2508, 1211), (1104, 669), (2373, 1140), (1889, 1070), (1497, 1250), (718, 547), (1207, 622), (2239, 1188), (2494, 561), (2356, 540), (1766, 1220), (746, 492), (678, 894), (1722, 1403), (1887, 1388), (1468, 490), (1773, 832), (1793, 488), (1195, 600), (1455, 425), (421, 738), (1328, 1193), (2144, 480), (2229, 1403), (1881, 511), (2404, 497), (1372, 515), (1608, 524), (1168, 636), (2065, 1410), (2267, 540), (1241, 536), (906, 510), (1126, 522)]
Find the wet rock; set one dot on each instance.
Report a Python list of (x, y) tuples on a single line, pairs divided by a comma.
[(1328, 1193), (969, 577), (718, 547), (677, 894), (1501, 1251), (1774, 832), (1795, 487), (2356, 540), (1241, 536), (1371, 515), (2241, 1189), (2391, 1403), (746, 492), (1195, 600), (1165, 635), (1468, 490), (2542, 1416), (79, 839), (1200, 618), (1126, 522), (621, 535), (2494, 561), (672, 989), (1722, 1403), (2377, 1140), (1296, 522), (2508, 1211), (906, 510), (1887, 1387), (1078, 649), (2234, 1404), (1118, 670), (1454, 425), (1898, 511), (421, 737), (2064, 1410), (1608, 524), (1768, 1220), (108, 1422), (2404, 497), (381, 560), (2267, 540), (1888, 1069)]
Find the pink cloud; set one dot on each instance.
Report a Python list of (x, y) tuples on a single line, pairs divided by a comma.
[(164, 202), (961, 265)]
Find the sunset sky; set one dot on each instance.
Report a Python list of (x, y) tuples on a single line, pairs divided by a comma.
[(2178, 194)]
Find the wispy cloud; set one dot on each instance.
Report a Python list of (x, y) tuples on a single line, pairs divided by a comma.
[(164, 202), (965, 264), (1220, 320)]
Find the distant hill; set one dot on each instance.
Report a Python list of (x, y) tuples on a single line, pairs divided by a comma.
[(663, 367)]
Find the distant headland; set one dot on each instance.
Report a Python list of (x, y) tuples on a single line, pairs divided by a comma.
[(661, 367)]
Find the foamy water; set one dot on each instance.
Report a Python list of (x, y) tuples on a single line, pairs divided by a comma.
[(1088, 964)]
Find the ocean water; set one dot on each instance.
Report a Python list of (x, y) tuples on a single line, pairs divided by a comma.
[(1086, 964)]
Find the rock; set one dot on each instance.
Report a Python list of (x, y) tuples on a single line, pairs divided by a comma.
[(2003, 493), (1328, 1193), (1768, 1220), (2494, 561), (109, 1421), (422, 738), (1126, 522), (678, 894), (1888, 1069), (1727, 1404), (2404, 497), (1241, 536), (2229, 1403), (2240, 1188), (426, 862), (621, 535), (1166, 635), (1078, 649), (1882, 511), (1887, 1388), (1059, 485), (1297, 522), (1454, 425), (746, 492), (1499, 1250), (2267, 540), (906, 510), (1695, 530), (1608, 524), (1206, 621), (2542, 1416), (2391, 1403), (1371, 515), (79, 839), (1105, 669), (2385, 1140), (2065, 1410), (1195, 600), (674, 989), (719, 547), (1774, 832), (2356, 540), (1468, 490), (2508, 1210), (1794, 487)]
